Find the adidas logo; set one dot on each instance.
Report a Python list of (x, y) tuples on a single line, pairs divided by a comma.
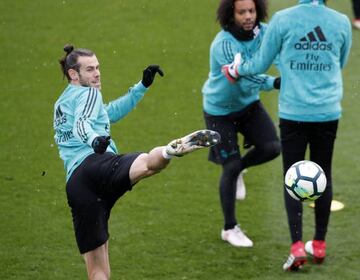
[(58, 112), (314, 40), (60, 118)]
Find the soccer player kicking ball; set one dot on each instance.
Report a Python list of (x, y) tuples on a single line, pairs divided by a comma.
[(97, 176)]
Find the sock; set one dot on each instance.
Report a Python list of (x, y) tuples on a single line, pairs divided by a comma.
[(165, 154), (229, 226)]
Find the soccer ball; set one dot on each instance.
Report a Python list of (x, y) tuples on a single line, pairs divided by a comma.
[(305, 180)]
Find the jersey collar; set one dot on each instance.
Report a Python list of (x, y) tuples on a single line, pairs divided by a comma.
[(314, 2)]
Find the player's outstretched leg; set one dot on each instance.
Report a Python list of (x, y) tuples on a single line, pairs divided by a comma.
[(194, 141)]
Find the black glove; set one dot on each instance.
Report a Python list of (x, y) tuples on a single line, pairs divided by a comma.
[(149, 74), (277, 83), (100, 144)]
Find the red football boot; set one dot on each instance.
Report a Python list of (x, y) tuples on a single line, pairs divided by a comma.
[(297, 257), (317, 249)]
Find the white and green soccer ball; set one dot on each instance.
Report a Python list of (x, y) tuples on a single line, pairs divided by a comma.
[(305, 180)]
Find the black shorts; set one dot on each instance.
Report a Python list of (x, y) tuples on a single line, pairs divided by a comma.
[(254, 123), (92, 190)]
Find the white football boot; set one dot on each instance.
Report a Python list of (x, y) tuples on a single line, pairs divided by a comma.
[(236, 237), (240, 186), (194, 141)]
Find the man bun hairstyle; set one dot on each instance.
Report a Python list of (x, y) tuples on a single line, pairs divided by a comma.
[(70, 59), (68, 48), (225, 12)]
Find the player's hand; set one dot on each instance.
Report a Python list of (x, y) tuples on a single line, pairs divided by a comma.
[(230, 70), (100, 144), (277, 83), (149, 74)]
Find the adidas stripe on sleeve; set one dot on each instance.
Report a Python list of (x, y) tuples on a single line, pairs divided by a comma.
[(227, 54), (260, 82), (87, 109)]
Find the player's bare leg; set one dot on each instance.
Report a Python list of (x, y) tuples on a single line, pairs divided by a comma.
[(146, 165), (97, 263), (158, 158)]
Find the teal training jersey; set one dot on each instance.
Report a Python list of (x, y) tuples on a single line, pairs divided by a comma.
[(313, 43), (80, 115), (221, 97)]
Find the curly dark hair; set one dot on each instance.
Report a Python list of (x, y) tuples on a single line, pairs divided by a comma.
[(225, 11)]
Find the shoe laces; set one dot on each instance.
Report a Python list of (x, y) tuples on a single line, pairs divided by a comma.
[(238, 231)]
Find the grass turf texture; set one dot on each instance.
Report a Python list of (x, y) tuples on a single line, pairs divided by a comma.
[(169, 226)]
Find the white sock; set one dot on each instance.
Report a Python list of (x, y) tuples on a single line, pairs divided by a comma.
[(165, 154)]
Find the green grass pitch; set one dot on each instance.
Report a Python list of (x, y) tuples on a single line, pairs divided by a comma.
[(169, 226)]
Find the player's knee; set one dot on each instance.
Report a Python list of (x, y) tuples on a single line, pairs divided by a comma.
[(232, 168), (272, 149)]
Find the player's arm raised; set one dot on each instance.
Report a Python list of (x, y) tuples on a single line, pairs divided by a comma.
[(120, 107)]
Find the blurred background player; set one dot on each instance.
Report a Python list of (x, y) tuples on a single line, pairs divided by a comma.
[(313, 43), (232, 108), (356, 11), (97, 176)]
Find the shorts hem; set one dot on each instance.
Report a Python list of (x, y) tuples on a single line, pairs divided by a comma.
[(93, 247)]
